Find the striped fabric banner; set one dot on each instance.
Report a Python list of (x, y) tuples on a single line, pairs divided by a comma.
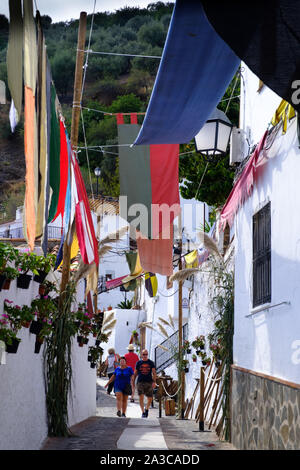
[(148, 177)]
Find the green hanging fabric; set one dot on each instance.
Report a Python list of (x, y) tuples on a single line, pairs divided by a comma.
[(54, 156)]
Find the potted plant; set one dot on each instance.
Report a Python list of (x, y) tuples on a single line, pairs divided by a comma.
[(8, 254), (27, 316), (43, 266), (185, 365), (10, 324), (187, 347), (24, 264), (42, 308), (199, 344), (194, 357), (205, 359), (46, 287), (217, 352)]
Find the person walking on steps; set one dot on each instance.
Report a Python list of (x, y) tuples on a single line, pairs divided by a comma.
[(131, 359), (122, 379), (146, 373), (112, 362)]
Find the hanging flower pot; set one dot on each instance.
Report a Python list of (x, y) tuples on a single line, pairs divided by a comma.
[(188, 351), (42, 290), (85, 340), (26, 324), (13, 348), (204, 363), (90, 359), (35, 327), (23, 281), (40, 277), (93, 365), (186, 370), (2, 280), (6, 284), (37, 347), (79, 339), (198, 352), (97, 342)]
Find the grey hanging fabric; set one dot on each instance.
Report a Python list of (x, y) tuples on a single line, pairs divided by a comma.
[(15, 56)]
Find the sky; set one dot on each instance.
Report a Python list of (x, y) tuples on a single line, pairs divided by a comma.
[(63, 10)]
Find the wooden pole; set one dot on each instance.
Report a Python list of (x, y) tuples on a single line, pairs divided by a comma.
[(181, 379), (74, 136), (201, 415)]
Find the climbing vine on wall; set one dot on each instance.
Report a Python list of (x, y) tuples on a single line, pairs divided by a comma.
[(222, 304)]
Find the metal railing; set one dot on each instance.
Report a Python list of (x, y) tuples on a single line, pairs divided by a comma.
[(163, 358), (17, 232)]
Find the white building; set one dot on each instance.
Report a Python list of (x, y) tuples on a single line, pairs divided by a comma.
[(266, 370)]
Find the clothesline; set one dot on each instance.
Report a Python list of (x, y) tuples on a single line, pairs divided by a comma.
[(90, 51)]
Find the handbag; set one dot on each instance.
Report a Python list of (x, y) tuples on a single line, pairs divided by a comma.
[(127, 389)]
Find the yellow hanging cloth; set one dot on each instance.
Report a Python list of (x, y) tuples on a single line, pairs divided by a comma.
[(191, 260), (285, 112)]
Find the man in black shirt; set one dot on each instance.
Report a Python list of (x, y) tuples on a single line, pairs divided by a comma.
[(146, 374)]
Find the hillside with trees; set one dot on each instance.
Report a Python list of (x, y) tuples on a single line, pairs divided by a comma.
[(115, 84)]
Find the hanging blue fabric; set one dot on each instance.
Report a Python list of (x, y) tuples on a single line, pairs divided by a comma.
[(195, 70), (59, 256)]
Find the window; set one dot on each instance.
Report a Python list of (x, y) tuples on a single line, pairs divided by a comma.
[(262, 256)]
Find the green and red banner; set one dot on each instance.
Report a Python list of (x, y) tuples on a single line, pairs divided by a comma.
[(149, 180)]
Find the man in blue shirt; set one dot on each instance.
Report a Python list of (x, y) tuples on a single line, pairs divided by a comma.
[(146, 374)]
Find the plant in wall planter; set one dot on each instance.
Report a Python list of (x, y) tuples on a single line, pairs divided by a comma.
[(185, 365), (8, 255), (47, 287), (43, 266), (187, 347), (8, 336), (194, 357), (24, 263), (199, 344), (8, 274)]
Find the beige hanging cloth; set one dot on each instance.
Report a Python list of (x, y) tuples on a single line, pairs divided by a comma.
[(30, 125)]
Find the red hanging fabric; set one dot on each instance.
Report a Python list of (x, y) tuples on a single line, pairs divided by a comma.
[(242, 188), (88, 244), (64, 172)]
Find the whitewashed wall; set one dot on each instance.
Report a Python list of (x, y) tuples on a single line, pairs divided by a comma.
[(269, 341), (23, 423), (127, 321)]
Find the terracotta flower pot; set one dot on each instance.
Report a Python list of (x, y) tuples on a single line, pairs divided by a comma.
[(26, 324), (6, 284)]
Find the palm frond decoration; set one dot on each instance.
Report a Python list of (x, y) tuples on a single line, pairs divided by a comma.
[(149, 326), (163, 331), (108, 318), (114, 236), (103, 250), (109, 326), (163, 347), (184, 274), (144, 324), (209, 244), (165, 322), (171, 321)]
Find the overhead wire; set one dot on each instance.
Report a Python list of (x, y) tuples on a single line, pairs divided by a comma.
[(81, 96)]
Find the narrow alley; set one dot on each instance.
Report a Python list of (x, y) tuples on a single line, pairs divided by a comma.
[(106, 431)]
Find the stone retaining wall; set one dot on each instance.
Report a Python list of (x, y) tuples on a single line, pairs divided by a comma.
[(265, 413)]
